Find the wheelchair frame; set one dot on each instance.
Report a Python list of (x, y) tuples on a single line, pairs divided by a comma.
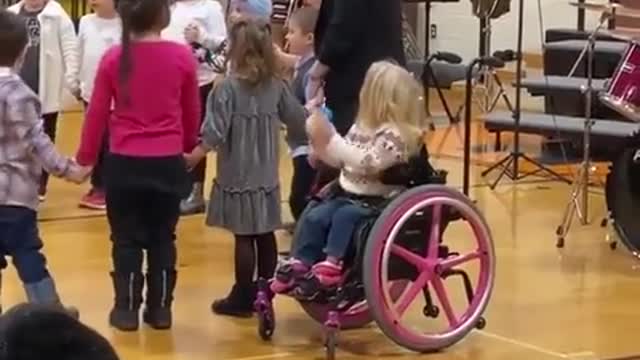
[(363, 297)]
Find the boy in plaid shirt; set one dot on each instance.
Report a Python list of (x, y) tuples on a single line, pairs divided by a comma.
[(24, 150)]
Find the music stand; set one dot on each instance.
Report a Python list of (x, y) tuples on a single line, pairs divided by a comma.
[(515, 155), (427, 34)]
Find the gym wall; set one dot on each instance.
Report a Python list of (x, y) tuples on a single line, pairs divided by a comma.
[(457, 27)]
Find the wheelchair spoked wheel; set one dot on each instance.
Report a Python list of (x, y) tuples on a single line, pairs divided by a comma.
[(356, 317), (431, 263)]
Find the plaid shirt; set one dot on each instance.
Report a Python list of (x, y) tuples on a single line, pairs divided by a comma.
[(24, 147)]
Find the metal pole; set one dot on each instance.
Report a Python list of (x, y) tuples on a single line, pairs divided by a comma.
[(581, 16), (518, 105)]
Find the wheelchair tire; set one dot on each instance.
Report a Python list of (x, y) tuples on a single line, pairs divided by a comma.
[(377, 254)]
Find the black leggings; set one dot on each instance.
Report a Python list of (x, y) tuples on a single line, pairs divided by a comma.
[(142, 221), (251, 248), (143, 208)]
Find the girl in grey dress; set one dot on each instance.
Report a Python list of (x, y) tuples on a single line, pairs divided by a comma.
[(243, 126)]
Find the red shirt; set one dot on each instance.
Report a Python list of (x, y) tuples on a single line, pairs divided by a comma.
[(162, 116)]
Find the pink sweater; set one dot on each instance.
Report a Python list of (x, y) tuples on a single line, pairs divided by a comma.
[(163, 113)]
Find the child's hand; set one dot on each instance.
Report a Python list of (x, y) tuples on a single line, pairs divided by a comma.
[(319, 129), (315, 102), (78, 174), (77, 94), (192, 33), (312, 159), (194, 157)]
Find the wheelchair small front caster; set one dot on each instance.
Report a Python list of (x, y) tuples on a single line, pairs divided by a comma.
[(331, 344), (560, 242), (266, 324), (613, 245), (331, 326), (604, 222), (481, 324), (264, 310), (431, 311)]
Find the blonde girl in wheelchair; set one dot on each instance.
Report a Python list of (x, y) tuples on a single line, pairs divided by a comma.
[(386, 132)]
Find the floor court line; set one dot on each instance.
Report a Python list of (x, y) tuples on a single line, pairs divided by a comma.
[(264, 357), (525, 345)]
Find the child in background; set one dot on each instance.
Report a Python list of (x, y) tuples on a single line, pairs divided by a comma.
[(300, 40), (386, 132), (25, 149), (97, 33), (51, 61), (243, 121), (198, 22), (155, 119)]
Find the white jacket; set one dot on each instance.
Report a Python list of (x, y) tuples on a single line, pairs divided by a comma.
[(209, 17), (95, 36), (58, 55)]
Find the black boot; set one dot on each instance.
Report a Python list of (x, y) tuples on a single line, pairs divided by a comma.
[(160, 286), (44, 292), (238, 303), (128, 296)]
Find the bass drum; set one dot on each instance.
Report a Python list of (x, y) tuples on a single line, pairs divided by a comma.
[(623, 198)]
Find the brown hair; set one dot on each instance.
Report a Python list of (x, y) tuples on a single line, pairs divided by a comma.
[(305, 18), (13, 38), (138, 17), (251, 51)]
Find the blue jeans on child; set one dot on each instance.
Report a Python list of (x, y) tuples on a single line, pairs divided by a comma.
[(332, 222), (19, 239)]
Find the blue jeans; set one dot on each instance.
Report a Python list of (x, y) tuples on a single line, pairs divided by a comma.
[(19, 239), (331, 223)]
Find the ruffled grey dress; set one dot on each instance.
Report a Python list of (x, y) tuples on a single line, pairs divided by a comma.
[(243, 126)]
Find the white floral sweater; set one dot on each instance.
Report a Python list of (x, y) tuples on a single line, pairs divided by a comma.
[(362, 155)]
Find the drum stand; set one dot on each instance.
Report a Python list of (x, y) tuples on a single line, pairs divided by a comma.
[(581, 182)]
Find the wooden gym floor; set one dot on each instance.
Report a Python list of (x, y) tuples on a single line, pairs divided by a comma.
[(579, 303)]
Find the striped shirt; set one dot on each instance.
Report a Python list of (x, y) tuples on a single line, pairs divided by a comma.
[(24, 147)]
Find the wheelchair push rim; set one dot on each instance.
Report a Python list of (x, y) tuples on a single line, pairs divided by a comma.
[(388, 312)]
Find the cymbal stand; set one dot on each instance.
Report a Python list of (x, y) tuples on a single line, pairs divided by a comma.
[(603, 18), (579, 200)]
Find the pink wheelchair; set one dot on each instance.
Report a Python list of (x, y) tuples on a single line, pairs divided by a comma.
[(398, 255)]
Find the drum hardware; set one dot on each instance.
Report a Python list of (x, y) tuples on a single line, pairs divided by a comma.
[(577, 206), (623, 201), (611, 8), (603, 18), (622, 93)]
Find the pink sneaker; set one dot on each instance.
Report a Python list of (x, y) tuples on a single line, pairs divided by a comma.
[(327, 273), (286, 274), (94, 200)]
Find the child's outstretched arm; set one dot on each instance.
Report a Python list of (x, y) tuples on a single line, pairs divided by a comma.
[(70, 54), (385, 148), (217, 121), (293, 115), (190, 105), (24, 115), (95, 123)]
